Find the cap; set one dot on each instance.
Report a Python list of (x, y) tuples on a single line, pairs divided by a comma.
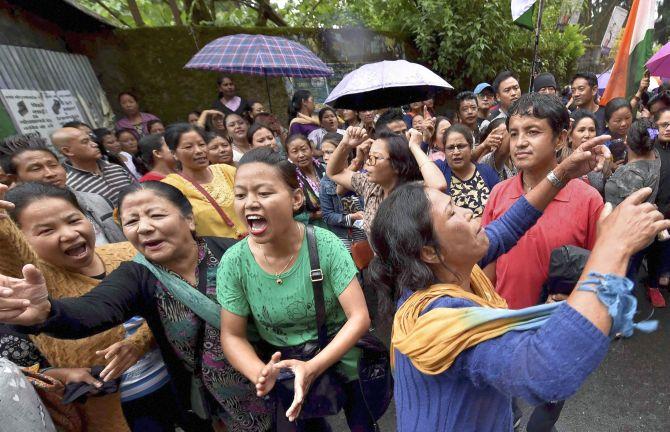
[(483, 86), (544, 80)]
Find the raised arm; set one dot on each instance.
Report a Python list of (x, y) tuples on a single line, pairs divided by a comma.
[(24, 301), (432, 176), (552, 362), (506, 231), (337, 168)]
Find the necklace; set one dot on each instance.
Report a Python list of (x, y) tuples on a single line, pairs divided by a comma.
[(279, 280)]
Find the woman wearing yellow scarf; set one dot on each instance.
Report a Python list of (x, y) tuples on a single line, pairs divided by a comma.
[(459, 355)]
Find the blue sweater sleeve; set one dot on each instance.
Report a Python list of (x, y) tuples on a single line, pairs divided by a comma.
[(505, 232), (546, 364)]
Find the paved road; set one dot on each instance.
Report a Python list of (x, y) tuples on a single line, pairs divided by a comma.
[(630, 391)]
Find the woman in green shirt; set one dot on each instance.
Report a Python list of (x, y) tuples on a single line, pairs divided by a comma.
[(267, 276)]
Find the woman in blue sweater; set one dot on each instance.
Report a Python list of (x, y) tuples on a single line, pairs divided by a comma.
[(459, 354)]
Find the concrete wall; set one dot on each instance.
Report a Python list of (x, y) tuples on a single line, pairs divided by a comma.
[(149, 62)]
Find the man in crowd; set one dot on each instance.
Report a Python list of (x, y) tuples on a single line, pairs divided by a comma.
[(485, 99), (391, 120), (87, 172), (538, 124), (466, 102), (584, 92), (545, 83), (507, 89), (26, 159), (228, 101), (658, 103)]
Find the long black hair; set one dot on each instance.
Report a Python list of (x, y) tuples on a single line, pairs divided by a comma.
[(296, 103), (642, 136), (400, 229)]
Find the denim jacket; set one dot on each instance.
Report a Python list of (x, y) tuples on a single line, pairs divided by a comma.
[(332, 210)]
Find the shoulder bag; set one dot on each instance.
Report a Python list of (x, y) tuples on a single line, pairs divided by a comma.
[(326, 395)]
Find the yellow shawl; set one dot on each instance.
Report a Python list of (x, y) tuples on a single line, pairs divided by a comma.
[(435, 339)]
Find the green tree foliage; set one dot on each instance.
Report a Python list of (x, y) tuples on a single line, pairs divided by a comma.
[(467, 41)]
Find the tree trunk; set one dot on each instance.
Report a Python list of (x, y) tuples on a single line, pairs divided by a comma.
[(135, 12), (176, 13)]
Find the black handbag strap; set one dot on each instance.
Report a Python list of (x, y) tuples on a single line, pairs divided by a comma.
[(316, 276)]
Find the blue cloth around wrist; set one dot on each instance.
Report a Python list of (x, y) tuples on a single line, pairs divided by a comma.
[(615, 292)]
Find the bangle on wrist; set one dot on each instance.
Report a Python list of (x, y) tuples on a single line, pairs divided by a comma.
[(554, 180)]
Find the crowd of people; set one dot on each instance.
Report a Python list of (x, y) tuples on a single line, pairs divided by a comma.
[(230, 272)]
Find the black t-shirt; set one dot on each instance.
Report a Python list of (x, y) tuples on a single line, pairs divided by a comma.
[(601, 127), (663, 197)]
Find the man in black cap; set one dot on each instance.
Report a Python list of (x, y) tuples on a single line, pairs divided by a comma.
[(545, 83)]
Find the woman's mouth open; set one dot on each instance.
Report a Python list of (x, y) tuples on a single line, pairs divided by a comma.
[(77, 251), (257, 224)]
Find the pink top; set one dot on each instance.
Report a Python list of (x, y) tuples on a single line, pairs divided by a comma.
[(139, 128), (570, 219)]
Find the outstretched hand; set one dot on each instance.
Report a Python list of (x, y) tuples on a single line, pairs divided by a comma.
[(589, 156), (24, 301)]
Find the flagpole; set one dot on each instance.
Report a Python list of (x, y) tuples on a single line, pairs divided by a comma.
[(538, 28)]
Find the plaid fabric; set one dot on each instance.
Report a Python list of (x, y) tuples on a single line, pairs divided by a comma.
[(259, 55)]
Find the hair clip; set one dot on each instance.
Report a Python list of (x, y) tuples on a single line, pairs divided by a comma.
[(653, 133)]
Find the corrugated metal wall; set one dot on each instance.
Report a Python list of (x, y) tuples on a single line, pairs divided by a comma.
[(38, 69)]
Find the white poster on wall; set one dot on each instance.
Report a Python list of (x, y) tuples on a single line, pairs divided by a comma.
[(62, 105), (40, 111)]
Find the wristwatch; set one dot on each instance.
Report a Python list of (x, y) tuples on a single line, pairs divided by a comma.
[(554, 180)]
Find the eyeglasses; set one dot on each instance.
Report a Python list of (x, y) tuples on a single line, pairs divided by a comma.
[(372, 159), (663, 126), (459, 147)]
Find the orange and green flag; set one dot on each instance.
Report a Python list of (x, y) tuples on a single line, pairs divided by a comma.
[(634, 50)]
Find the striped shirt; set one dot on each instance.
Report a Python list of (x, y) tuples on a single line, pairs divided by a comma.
[(148, 374), (112, 179)]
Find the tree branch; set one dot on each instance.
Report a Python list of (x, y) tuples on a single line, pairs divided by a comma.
[(112, 12)]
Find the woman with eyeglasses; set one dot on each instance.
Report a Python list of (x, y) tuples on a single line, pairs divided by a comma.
[(391, 162), (469, 184)]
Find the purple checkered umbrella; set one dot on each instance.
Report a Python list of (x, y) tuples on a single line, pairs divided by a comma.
[(259, 55)]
